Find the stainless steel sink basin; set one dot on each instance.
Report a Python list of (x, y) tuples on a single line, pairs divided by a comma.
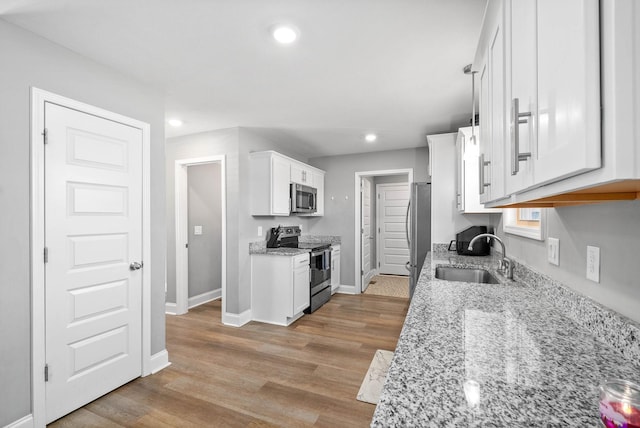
[(449, 273)]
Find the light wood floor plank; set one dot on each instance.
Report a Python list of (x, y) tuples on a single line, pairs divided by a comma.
[(259, 375)]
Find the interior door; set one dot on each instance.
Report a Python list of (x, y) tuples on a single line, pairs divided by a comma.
[(93, 232), (365, 236), (392, 209)]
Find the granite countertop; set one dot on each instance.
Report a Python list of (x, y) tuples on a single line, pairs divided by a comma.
[(508, 354), (260, 247)]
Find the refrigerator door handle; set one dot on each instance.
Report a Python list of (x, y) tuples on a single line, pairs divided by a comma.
[(406, 225)]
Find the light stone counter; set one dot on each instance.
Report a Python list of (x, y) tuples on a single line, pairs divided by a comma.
[(529, 352)]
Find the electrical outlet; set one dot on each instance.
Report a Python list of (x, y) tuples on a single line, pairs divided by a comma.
[(260, 231), (593, 263), (197, 230), (553, 251)]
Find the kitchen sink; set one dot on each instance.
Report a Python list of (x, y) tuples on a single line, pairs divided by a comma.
[(449, 273)]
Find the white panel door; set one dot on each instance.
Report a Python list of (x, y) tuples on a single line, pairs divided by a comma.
[(93, 223), (365, 235), (392, 243)]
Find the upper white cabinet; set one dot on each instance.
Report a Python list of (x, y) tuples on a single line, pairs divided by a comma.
[(553, 90), (271, 175), (570, 101), (492, 107), (467, 177), (269, 181), (302, 174)]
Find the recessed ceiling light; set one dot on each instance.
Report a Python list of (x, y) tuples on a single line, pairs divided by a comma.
[(175, 122), (284, 34), (370, 138)]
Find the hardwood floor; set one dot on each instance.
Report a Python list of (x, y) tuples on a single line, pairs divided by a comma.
[(259, 375)]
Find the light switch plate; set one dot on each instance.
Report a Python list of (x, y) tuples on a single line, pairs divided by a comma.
[(259, 230), (593, 263), (197, 230), (553, 251)]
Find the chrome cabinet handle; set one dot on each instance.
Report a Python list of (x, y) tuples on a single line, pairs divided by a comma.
[(135, 266), (481, 164), (407, 266), (516, 121)]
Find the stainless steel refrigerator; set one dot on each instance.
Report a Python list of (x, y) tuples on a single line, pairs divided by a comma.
[(418, 230)]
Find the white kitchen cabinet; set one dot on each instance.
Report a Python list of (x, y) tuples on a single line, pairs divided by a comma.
[(539, 93), (269, 183), (467, 177), (302, 174), (335, 268), (492, 109), (575, 67), (318, 181), (619, 176), (553, 90), (280, 289)]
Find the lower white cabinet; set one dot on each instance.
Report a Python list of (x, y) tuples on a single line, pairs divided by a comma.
[(280, 290), (335, 268)]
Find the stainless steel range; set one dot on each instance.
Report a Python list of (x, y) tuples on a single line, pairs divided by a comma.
[(319, 262)]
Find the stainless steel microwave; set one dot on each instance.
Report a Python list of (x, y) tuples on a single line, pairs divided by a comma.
[(303, 199)]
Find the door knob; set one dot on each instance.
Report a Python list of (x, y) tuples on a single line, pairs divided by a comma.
[(135, 266)]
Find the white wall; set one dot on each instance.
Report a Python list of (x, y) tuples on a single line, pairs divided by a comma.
[(340, 184), (31, 61), (614, 227), (204, 210), (446, 221)]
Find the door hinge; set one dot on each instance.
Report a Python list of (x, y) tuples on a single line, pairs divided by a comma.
[(186, 245), (46, 372), (45, 134), (46, 255), (378, 195), (378, 264), (362, 230), (361, 272)]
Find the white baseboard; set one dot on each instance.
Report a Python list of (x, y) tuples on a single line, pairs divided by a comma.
[(159, 361), (25, 422), (170, 308), (204, 298), (236, 320), (347, 289), (334, 289)]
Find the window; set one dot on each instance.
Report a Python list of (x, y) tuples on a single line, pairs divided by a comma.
[(527, 222)]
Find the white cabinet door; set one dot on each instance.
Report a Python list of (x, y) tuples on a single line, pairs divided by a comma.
[(318, 183), (335, 268), (269, 174), (467, 193), (301, 288), (568, 88), (301, 175), (280, 170), (495, 63), (492, 114), (460, 171), (521, 85)]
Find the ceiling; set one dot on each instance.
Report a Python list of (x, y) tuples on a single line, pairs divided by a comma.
[(392, 67)]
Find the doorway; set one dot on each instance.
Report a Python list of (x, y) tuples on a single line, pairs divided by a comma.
[(366, 266), (90, 242), (198, 225)]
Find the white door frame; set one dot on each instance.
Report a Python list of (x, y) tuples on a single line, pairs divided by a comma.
[(182, 229), (378, 216), (38, 304), (358, 176)]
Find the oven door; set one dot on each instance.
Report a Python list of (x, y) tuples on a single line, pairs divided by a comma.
[(320, 262)]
